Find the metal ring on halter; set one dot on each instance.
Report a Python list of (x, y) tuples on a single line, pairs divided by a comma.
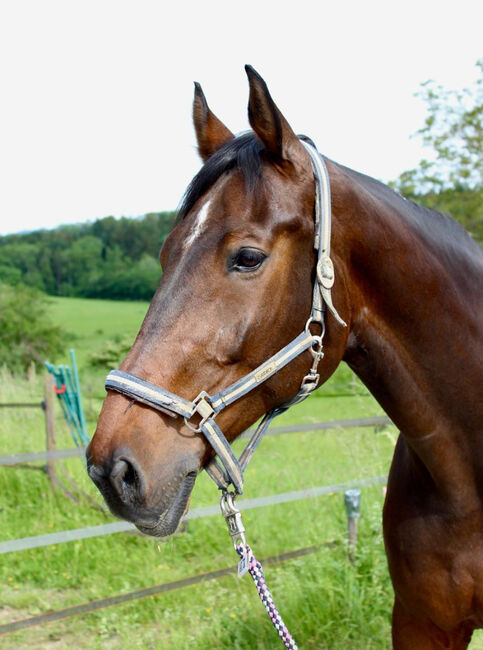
[(316, 343), (321, 324), (190, 426), (316, 339)]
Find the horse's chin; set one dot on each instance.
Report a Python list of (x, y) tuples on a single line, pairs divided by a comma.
[(169, 520)]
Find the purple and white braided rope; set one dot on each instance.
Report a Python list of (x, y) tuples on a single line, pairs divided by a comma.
[(256, 571)]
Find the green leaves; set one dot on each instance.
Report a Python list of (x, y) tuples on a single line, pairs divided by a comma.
[(26, 333), (110, 258), (454, 130), (453, 181)]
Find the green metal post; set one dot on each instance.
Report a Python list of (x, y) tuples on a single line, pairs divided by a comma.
[(80, 410)]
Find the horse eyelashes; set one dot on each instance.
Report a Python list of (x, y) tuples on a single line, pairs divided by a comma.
[(246, 259)]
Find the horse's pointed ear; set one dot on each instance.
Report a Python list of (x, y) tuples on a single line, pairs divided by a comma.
[(268, 122), (210, 131)]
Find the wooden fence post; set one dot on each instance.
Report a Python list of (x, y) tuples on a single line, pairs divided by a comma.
[(48, 405)]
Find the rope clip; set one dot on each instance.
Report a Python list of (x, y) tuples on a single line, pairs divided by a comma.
[(233, 518), (237, 531)]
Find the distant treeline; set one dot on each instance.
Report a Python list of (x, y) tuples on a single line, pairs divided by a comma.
[(109, 258), (118, 258)]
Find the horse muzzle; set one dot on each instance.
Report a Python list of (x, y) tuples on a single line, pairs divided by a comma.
[(125, 486)]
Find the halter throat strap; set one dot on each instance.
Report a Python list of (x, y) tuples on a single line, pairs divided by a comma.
[(199, 414)]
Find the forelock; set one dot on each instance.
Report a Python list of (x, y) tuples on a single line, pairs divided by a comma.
[(242, 153)]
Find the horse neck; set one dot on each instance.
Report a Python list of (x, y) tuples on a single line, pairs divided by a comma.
[(414, 323)]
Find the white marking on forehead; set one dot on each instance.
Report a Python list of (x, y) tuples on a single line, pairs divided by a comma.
[(198, 226)]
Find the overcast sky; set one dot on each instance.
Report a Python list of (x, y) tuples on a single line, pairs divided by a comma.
[(95, 109)]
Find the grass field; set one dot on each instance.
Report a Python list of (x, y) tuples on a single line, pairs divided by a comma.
[(326, 601), (89, 323)]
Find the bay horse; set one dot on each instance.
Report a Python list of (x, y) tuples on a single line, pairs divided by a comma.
[(238, 274)]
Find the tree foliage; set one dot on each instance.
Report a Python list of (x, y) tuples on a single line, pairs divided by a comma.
[(26, 333), (453, 181), (110, 258)]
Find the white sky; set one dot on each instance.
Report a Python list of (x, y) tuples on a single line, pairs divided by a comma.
[(95, 107)]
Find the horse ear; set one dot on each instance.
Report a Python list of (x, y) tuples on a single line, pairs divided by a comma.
[(268, 122), (210, 131)]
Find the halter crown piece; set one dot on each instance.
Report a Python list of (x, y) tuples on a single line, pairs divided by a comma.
[(207, 407)]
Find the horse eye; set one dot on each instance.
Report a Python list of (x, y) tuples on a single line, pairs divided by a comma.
[(247, 259)]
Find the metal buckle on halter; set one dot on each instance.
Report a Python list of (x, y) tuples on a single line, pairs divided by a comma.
[(203, 407)]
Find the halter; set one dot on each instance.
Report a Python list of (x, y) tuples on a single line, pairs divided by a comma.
[(206, 407)]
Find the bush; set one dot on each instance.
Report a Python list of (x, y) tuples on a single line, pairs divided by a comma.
[(111, 354), (26, 334)]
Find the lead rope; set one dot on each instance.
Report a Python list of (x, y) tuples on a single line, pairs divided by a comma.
[(256, 571), (249, 563)]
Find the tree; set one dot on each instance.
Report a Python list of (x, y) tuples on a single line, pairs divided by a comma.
[(26, 333), (453, 181), (24, 257), (111, 258), (82, 266)]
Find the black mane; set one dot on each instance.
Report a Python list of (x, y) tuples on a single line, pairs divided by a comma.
[(243, 153)]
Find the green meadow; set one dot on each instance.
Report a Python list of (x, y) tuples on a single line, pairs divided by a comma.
[(89, 323), (326, 601)]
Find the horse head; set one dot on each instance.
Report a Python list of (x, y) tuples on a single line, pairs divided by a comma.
[(237, 285)]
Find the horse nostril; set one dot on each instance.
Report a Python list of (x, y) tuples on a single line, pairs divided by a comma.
[(126, 481), (96, 473)]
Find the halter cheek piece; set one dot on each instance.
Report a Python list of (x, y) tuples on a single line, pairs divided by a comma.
[(205, 407)]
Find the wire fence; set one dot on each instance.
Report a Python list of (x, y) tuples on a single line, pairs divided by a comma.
[(74, 534), (60, 537), (59, 454), (38, 541)]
